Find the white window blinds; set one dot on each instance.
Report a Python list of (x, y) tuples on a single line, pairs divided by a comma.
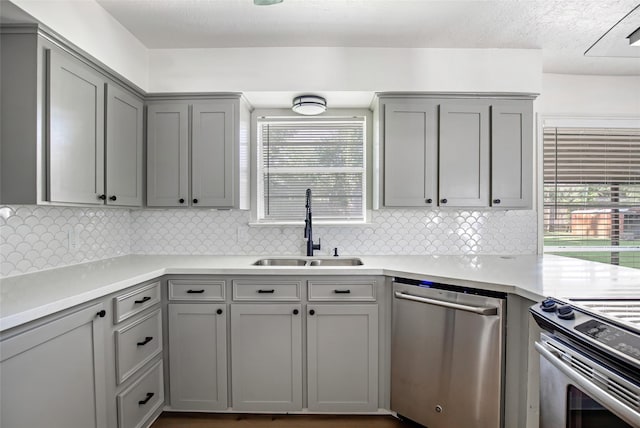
[(592, 194), (326, 156)]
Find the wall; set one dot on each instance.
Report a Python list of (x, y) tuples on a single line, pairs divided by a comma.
[(345, 69), (36, 238), (568, 94), (87, 25)]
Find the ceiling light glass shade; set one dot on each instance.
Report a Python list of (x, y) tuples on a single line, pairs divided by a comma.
[(634, 38), (266, 2), (309, 105)]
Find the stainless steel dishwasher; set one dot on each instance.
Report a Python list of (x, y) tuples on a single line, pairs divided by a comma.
[(447, 355)]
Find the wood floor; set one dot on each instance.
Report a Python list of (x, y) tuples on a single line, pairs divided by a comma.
[(201, 420)]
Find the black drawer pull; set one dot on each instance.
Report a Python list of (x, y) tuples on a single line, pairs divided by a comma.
[(496, 201), (146, 400), (219, 312), (347, 291), (271, 291), (144, 299), (295, 312), (443, 201), (195, 291), (145, 341), (312, 312), (102, 313)]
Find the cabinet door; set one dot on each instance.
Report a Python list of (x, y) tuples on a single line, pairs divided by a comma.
[(76, 132), (410, 154), (54, 375), (198, 356), (167, 155), (512, 154), (124, 148), (342, 358), (212, 159), (266, 357), (464, 155)]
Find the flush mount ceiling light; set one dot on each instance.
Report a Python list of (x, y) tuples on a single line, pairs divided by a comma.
[(634, 38), (266, 2), (309, 105)]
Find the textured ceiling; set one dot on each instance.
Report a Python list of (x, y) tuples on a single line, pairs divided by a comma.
[(564, 30)]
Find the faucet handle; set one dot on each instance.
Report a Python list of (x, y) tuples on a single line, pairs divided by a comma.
[(317, 246), (335, 252)]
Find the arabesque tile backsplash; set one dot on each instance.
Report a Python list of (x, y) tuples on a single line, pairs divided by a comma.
[(33, 238)]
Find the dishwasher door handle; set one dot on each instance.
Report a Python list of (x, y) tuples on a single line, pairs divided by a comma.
[(450, 305)]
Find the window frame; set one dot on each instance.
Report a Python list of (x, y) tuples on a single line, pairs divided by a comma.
[(568, 121), (257, 198)]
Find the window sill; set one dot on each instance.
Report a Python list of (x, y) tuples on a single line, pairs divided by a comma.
[(315, 224)]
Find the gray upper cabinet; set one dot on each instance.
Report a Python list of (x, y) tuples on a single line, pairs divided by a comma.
[(197, 153), (76, 132), (54, 375), (454, 150), (511, 154), (123, 148), (212, 161), (168, 155), (71, 131), (410, 153), (464, 155)]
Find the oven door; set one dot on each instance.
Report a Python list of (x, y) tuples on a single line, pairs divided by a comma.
[(578, 392)]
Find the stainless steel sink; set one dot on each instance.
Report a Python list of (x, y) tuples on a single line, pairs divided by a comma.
[(281, 262), (336, 262), (309, 262)]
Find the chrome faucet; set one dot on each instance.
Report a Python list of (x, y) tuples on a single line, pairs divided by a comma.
[(308, 228)]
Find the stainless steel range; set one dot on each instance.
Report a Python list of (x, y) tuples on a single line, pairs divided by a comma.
[(589, 363)]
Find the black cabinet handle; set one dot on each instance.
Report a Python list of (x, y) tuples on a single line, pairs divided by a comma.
[(112, 198), (347, 291), (102, 313), (443, 201), (266, 291), (195, 291), (144, 299), (146, 400), (145, 341), (195, 201), (296, 312), (219, 312), (496, 201), (102, 197), (312, 312), (429, 201), (181, 200)]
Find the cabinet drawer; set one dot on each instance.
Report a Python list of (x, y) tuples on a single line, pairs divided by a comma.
[(342, 290), (196, 289), (129, 304), (138, 402), (137, 344), (263, 290)]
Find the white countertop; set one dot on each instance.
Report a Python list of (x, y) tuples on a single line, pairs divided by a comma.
[(28, 297)]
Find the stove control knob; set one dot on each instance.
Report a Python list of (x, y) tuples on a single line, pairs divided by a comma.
[(565, 312), (548, 305)]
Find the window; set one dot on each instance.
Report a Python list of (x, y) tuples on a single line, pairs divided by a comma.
[(326, 155), (592, 194)]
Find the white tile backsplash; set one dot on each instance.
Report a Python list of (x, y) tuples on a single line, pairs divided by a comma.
[(34, 238)]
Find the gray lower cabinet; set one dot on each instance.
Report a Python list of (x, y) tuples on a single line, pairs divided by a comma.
[(454, 150), (54, 375), (198, 356), (212, 169), (342, 357), (266, 357)]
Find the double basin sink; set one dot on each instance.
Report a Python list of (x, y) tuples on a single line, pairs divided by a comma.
[(309, 262)]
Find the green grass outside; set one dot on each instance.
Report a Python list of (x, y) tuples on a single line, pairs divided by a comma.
[(627, 258)]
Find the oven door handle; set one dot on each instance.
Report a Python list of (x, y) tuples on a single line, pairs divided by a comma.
[(616, 406), (475, 309)]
